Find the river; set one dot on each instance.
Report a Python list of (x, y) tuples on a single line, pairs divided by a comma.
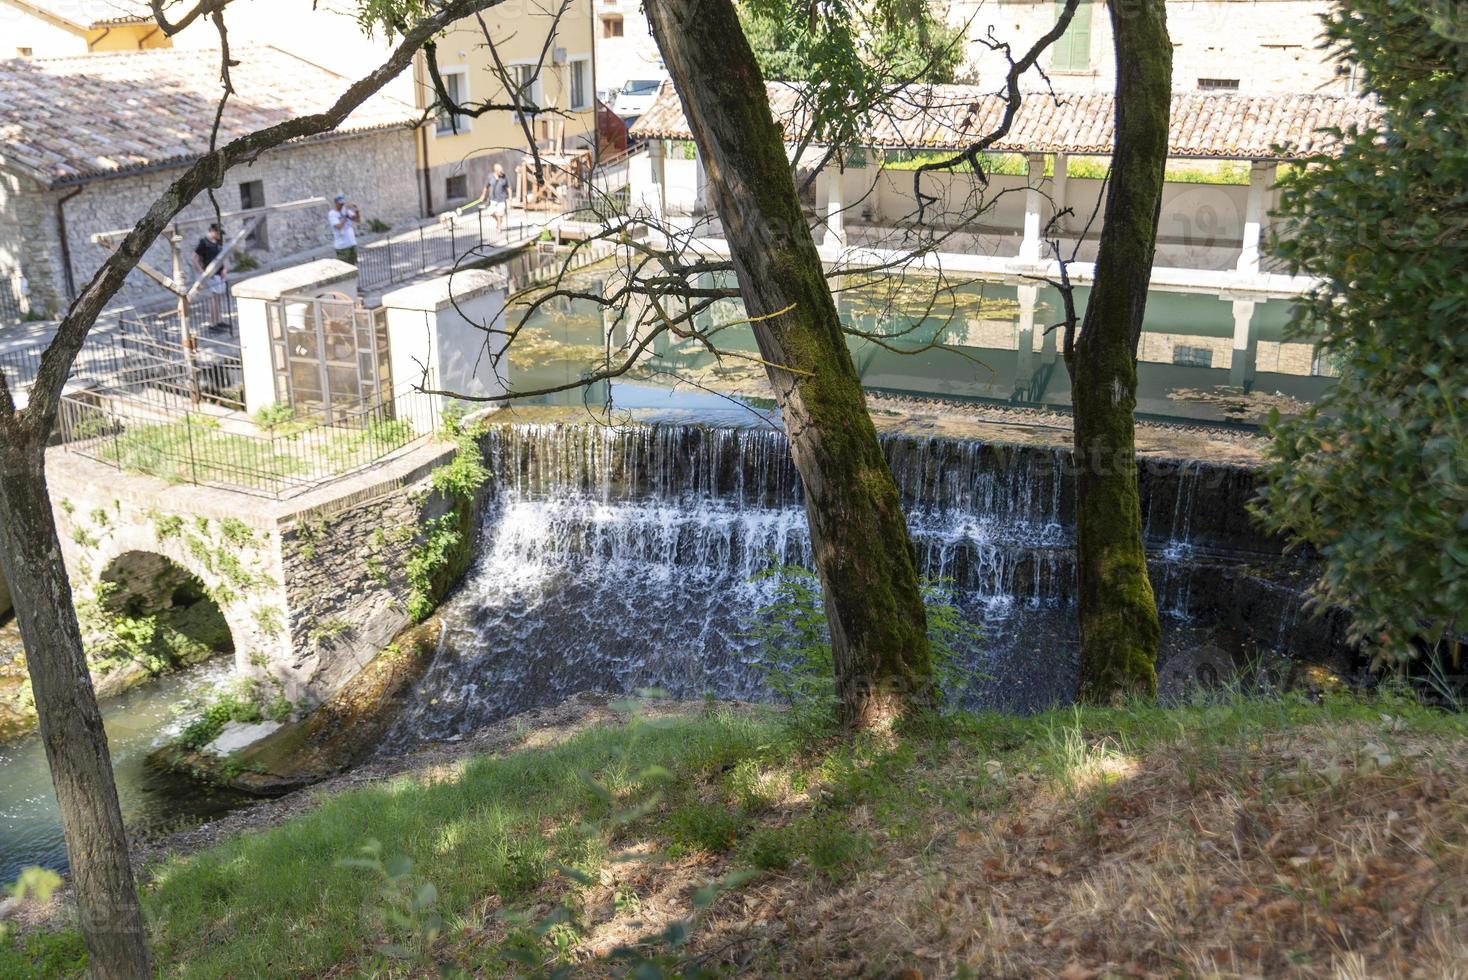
[(137, 722)]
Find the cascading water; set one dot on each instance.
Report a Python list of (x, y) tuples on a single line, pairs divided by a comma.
[(621, 558)]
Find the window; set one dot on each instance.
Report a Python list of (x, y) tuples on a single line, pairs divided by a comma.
[(24, 52), (456, 188), (1218, 84), (456, 87), (526, 81), (1072, 51), (611, 25), (579, 75), (252, 195)]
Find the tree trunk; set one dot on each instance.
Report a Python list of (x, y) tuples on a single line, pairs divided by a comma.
[(862, 550), (70, 721), (1116, 607)]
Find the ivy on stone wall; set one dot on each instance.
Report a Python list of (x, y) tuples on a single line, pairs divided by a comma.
[(443, 550)]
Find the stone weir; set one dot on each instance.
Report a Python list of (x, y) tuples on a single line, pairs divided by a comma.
[(1191, 503), (615, 558)]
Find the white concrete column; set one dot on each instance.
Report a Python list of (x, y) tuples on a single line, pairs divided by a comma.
[(1058, 188), (835, 208), (1025, 356), (1050, 339), (658, 152), (1029, 248), (1246, 345), (700, 183), (438, 337), (1261, 176)]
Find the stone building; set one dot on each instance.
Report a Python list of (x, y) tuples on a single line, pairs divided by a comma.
[(1246, 46), (89, 142), (515, 54), (1250, 46)]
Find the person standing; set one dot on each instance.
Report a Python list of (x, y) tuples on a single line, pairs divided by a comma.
[(343, 219), (497, 196), (217, 286)]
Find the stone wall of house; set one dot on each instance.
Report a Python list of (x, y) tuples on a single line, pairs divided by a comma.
[(376, 170), (23, 220)]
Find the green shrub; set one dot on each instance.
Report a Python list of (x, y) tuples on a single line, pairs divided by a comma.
[(699, 826), (769, 849), (273, 417), (830, 846), (244, 701)]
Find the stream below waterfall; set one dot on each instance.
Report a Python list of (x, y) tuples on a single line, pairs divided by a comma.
[(137, 721)]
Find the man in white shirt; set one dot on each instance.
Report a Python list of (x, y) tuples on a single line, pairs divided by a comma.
[(343, 218)]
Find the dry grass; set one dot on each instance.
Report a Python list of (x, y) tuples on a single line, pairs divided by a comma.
[(1314, 852), (1233, 838)]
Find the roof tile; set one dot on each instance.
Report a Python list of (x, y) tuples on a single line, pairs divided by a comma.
[(1221, 125), (104, 114)]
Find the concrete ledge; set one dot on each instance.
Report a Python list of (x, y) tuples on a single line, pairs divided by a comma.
[(445, 291), (316, 275)]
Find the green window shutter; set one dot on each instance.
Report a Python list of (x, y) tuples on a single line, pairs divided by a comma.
[(1072, 52)]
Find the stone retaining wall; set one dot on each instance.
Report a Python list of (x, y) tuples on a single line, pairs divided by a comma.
[(312, 588)]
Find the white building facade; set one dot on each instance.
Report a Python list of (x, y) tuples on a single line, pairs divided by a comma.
[(1246, 46)]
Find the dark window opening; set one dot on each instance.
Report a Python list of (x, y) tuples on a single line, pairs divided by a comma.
[(456, 187), (252, 195), (1218, 84)]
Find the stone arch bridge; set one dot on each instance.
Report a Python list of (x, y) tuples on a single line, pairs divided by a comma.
[(311, 587)]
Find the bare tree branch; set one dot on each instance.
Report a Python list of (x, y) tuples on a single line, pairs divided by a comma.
[(206, 172)]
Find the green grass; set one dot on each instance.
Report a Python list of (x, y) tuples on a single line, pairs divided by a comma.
[(41, 955), (1081, 168), (197, 450), (279, 903)]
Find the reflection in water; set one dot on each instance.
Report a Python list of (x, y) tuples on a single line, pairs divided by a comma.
[(1201, 357)]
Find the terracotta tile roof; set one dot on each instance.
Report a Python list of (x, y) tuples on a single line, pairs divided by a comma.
[(1222, 125), (93, 13), (67, 119)]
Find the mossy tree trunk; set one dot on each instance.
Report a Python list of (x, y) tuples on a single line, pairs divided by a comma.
[(863, 553), (1116, 608), (70, 721)]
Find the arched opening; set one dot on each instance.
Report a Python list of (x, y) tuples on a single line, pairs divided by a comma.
[(150, 609)]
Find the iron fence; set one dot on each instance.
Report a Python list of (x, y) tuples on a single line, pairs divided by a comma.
[(13, 308), (162, 436), (156, 355), (394, 258), (19, 368)]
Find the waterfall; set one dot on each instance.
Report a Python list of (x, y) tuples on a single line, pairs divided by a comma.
[(617, 558)]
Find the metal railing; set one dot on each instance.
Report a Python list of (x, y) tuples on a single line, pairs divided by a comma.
[(163, 436), (156, 355), (394, 258), (19, 367)]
